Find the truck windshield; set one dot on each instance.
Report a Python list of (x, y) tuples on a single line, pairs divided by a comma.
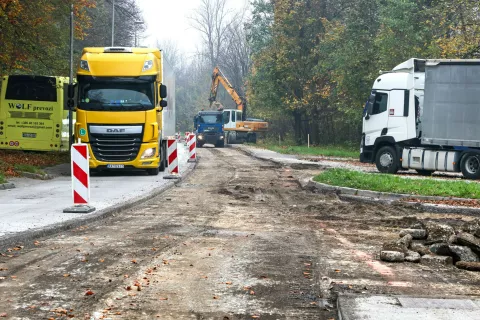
[(116, 96), (211, 118)]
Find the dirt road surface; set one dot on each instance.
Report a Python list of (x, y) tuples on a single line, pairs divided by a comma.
[(238, 239)]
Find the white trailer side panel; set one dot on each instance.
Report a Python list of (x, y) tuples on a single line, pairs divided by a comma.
[(169, 117), (451, 111)]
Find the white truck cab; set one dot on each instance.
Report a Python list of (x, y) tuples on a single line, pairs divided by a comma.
[(424, 115)]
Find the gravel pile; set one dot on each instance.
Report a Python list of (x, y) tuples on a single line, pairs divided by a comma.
[(437, 244)]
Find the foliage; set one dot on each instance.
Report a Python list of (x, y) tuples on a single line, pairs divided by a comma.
[(396, 184), (35, 33), (2, 178), (328, 151), (13, 162), (314, 61), (27, 168)]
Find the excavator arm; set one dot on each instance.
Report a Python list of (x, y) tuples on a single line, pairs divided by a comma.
[(219, 78)]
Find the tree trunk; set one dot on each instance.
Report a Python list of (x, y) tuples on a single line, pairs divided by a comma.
[(297, 117)]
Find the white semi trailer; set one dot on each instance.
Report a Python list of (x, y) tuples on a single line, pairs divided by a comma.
[(425, 115)]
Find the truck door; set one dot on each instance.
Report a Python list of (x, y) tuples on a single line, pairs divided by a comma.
[(230, 119), (375, 120)]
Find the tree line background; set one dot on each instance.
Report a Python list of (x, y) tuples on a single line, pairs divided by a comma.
[(306, 66)]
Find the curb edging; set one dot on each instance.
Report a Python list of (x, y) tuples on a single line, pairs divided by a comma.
[(7, 185), (367, 196), (25, 236), (36, 176), (294, 165)]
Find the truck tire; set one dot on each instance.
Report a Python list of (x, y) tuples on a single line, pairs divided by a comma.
[(426, 173), (386, 160), (232, 137), (470, 166), (163, 158), (153, 172)]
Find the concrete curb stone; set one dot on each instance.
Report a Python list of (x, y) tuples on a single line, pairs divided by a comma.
[(297, 164), (5, 186), (36, 176), (367, 196), (432, 260), (7, 241)]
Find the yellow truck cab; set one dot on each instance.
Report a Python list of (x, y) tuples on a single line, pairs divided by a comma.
[(32, 115), (119, 108)]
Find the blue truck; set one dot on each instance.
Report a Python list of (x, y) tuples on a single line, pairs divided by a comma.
[(209, 128)]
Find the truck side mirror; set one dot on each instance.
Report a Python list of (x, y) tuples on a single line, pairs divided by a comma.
[(163, 91), (69, 96), (71, 91), (163, 103)]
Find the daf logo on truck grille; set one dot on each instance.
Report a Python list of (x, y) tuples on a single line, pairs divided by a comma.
[(115, 129)]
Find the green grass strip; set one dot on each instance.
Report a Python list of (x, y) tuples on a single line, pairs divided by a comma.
[(396, 184), (328, 151), (26, 168)]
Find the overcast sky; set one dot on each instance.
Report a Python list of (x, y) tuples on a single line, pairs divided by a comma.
[(168, 20)]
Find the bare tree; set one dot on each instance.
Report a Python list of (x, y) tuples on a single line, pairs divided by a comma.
[(126, 13), (235, 58), (172, 56), (211, 19)]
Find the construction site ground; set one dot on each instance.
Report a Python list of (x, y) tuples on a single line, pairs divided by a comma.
[(238, 239)]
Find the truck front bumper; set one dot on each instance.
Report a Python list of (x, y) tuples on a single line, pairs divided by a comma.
[(138, 163), (211, 138)]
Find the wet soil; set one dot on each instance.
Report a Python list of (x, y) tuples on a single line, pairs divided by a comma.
[(238, 239)]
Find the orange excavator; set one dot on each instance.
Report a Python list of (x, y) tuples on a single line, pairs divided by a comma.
[(238, 128)]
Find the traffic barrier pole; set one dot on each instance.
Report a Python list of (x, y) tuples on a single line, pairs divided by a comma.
[(80, 179), (172, 158), (192, 148)]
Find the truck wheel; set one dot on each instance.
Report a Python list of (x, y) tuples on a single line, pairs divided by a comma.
[(163, 159), (470, 166), (426, 173), (153, 172), (386, 160)]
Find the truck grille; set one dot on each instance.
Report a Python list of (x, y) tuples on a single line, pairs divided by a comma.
[(115, 147)]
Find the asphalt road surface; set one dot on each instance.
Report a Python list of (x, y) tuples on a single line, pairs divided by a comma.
[(238, 239)]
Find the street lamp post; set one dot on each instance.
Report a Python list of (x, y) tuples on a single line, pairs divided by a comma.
[(136, 24), (113, 20)]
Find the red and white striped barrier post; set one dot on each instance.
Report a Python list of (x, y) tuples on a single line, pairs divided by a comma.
[(187, 136), (172, 158), (80, 179), (192, 148)]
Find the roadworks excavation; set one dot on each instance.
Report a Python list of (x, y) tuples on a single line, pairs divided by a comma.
[(238, 239)]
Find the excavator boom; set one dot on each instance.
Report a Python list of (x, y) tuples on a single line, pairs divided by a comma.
[(235, 126), (219, 78)]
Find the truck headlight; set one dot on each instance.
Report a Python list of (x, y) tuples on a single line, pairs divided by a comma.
[(200, 137), (147, 65), (149, 153), (84, 65), (221, 137)]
